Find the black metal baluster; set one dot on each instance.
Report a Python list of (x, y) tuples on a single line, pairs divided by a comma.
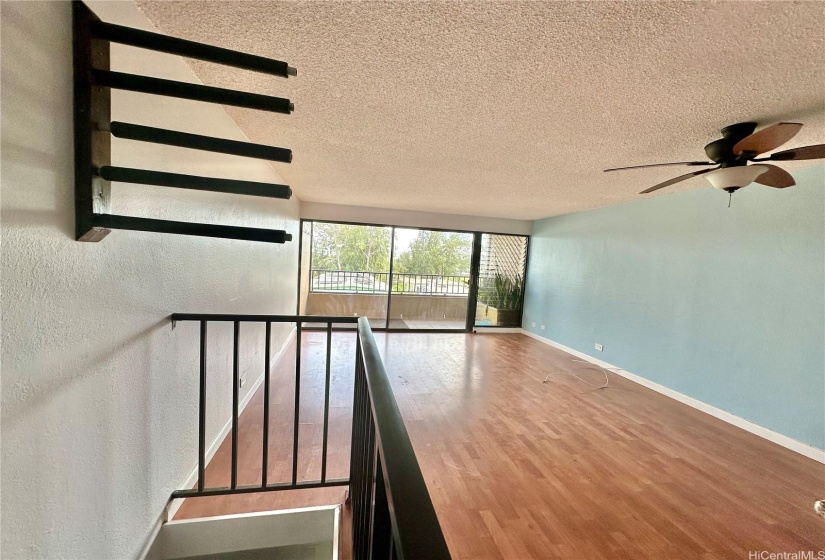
[(365, 477), (357, 474), (297, 403), (265, 454), (365, 473), (380, 530), (355, 445), (362, 474), (369, 477), (202, 412), (236, 381), (326, 404)]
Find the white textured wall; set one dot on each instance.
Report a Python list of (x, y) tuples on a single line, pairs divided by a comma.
[(98, 393)]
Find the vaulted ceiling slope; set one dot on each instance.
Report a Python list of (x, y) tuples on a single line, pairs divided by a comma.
[(509, 109)]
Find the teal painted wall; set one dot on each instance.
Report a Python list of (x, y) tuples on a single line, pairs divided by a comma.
[(726, 305)]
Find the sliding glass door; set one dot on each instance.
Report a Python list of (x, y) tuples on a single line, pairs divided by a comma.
[(412, 279), (430, 281), (346, 271)]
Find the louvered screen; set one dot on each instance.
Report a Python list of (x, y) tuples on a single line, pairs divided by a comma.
[(501, 280)]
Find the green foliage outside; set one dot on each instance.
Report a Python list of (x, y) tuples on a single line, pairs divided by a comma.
[(367, 249), (436, 252), (354, 248)]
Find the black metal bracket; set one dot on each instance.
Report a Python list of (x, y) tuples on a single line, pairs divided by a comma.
[(192, 182), (184, 90), (190, 49), (93, 128), (114, 221), (198, 142)]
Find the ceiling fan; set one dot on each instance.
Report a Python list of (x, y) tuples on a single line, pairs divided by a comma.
[(738, 147)]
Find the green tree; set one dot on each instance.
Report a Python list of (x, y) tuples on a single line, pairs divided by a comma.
[(350, 247), (437, 252)]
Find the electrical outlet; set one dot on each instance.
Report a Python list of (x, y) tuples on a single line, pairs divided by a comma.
[(599, 347), (532, 323), (542, 327), (242, 381)]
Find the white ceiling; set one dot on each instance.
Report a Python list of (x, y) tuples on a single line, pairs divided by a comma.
[(509, 109)]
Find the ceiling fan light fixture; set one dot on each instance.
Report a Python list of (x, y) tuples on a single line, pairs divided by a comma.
[(734, 178)]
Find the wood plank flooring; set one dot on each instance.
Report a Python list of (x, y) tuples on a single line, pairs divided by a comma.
[(520, 469)]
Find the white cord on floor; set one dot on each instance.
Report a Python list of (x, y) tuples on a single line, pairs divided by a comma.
[(604, 370)]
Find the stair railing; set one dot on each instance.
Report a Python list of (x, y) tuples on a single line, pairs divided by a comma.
[(234, 488), (392, 514)]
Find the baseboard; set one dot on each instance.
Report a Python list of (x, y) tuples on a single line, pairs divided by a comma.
[(497, 330), (175, 505), (787, 442)]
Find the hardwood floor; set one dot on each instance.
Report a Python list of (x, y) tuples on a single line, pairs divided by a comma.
[(521, 469)]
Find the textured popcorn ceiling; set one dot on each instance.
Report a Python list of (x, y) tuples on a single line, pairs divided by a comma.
[(506, 109)]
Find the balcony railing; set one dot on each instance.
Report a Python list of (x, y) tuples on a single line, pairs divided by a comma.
[(363, 282)]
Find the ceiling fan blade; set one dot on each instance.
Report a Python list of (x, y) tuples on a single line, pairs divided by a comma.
[(767, 139), (661, 165), (806, 152), (675, 180), (775, 177)]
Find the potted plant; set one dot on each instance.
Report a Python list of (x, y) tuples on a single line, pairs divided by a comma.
[(503, 299)]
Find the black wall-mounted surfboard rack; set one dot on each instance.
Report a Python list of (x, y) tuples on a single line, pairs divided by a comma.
[(93, 129)]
